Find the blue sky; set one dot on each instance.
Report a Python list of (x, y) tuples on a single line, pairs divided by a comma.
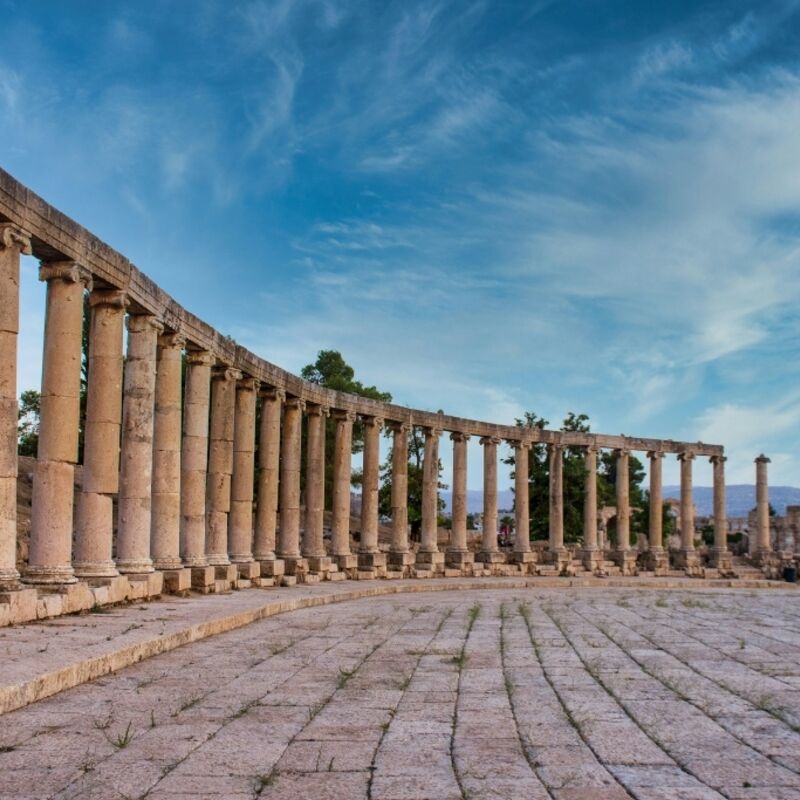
[(487, 207)]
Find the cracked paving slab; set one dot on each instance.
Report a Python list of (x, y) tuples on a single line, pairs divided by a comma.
[(536, 693)]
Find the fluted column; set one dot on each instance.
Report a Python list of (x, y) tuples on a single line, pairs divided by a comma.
[(95, 529), (13, 243), (428, 553), (313, 542), (458, 556), (400, 555), (489, 552), (522, 535), (50, 554), (720, 556), (557, 549), (240, 519), (194, 458), (136, 468), (289, 531), (269, 457), (763, 543), (166, 501), (342, 471), (220, 463), (591, 550)]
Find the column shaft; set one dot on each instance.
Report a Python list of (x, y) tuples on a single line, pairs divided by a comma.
[(166, 501), (220, 464), (13, 243), (95, 529), (342, 470), (720, 511), (763, 543), (50, 554), (194, 458), (136, 470), (400, 487), (623, 502), (556, 498), (656, 534), (269, 457), (240, 520), (687, 502), (370, 485), (313, 542), (458, 531), (430, 493), (289, 533), (590, 500)]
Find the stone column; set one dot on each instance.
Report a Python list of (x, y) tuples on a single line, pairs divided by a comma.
[(240, 519), (95, 528), (400, 556), (165, 525), (370, 558), (428, 555), (687, 558), (342, 471), (623, 554), (269, 457), (458, 556), (13, 243), (313, 541), (289, 532), (136, 469), (657, 558), (720, 555), (220, 469), (763, 551), (558, 553), (194, 465), (50, 553), (592, 557), (522, 536), (490, 553)]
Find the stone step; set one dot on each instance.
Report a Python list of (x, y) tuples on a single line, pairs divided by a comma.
[(336, 576), (288, 580)]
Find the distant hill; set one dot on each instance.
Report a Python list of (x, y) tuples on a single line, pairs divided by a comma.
[(741, 498)]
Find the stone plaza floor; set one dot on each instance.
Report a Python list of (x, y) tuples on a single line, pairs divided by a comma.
[(499, 693)]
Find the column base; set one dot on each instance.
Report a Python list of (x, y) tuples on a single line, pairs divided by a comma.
[(430, 560), (626, 561), (139, 566), (490, 557), (271, 568), (95, 569), (721, 559), (203, 579), (217, 560), (50, 576), (177, 581), (168, 563), (687, 560), (372, 561), (9, 580), (656, 560), (459, 559), (321, 565), (559, 558), (146, 585), (248, 570), (346, 561), (401, 558), (295, 566), (592, 558)]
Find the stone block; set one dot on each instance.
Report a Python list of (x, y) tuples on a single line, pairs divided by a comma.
[(485, 557), (452, 573), (458, 559), (273, 568), (222, 586), (526, 557), (366, 575), (249, 570), (226, 572), (263, 583), (420, 572), (49, 604), (393, 574), (310, 578), (295, 566), (349, 561), (76, 597), (242, 583), (319, 564), (203, 579), (18, 606), (288, 580), (143, 586), (371, 561), (177, 581), (430, 560)]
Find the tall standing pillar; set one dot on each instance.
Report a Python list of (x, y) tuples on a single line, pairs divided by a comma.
[(194, 466), (269, 457), (313, 541), (623, 555), (95, 528), (458, 555), (136, 468), (13, 243), (342, 472), (720, 555), (687, 558), (428, 555), (763, 551), (289, 532), (490, 553), (657, 559), (400, 556), (50, 553), (522, 534), (558, 553), (591, 551), (370, 558), (240, 518), (220, 469)]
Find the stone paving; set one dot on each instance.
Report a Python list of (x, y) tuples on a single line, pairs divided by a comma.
[(513, 693)]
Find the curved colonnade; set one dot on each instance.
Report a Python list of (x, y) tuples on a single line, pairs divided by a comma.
[(179, 455)]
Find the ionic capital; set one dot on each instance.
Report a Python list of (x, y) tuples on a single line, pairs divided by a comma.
[(432, 433), (493, 440), (315, 410), (172, 341), (654, 455), (718, 459), (620, 452), (110, 298), (247, 383), (555, 447), (762, 459), (14, 238), (519, 444), (686, 455), (459, 436), (225, 373), (591, 449), (68, 271), (343, 415), (371, 421), (142, 323), (399, 427), (199, 358), (295, 403), (272, 394)]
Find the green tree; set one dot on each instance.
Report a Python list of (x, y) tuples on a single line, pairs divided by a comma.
[(607, 493), (28, 423)]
